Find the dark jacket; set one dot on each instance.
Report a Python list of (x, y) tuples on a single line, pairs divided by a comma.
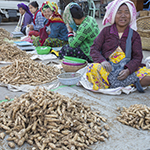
[(107, 42)]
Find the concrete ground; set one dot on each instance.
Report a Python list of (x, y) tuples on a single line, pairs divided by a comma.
[(121, 137)]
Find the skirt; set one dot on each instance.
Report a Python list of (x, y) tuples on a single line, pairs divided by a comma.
[(73, 52), (98, 76), (52, 42)]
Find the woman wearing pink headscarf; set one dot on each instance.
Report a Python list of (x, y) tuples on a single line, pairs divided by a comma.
[(110, 47)]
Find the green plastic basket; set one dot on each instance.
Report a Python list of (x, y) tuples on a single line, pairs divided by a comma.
[(41, 50), (74, 59)]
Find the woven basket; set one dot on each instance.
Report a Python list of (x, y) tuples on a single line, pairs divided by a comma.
[(145, 43), (143, 26), (69, 68), (144, 13)]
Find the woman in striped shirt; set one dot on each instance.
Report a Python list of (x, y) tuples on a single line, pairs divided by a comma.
[(38, 20)]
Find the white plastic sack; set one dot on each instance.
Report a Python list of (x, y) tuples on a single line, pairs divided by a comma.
[(115, 91)]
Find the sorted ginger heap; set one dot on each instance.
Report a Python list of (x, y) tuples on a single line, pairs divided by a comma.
[(51, 121), (9, 52), (27, 71), (4, 34), (137, 116)]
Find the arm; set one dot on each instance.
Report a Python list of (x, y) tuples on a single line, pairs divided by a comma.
[(30, 26), (81, 35), (39, 22), (137, 55), (27, 19), (96, 48)]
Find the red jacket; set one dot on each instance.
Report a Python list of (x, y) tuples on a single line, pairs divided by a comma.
[(107, 42)]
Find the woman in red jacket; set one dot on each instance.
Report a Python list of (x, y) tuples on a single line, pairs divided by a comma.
[(110, 46)]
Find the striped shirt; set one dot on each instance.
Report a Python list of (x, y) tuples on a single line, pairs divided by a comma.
[(39, 21)]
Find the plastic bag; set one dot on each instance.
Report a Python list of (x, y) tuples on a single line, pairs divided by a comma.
[(27, 30)]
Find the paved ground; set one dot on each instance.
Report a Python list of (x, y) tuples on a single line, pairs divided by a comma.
[(9, 26), (121, 137)]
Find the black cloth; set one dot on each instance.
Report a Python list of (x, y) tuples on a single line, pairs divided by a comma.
[(76, 12), (23, 30)]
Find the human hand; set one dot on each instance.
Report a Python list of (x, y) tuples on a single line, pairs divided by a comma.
[(107, 66), (123, 74), (30, 26), (48, 32)]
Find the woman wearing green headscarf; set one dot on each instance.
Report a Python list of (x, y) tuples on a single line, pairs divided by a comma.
[(85, 29), (54, 33)]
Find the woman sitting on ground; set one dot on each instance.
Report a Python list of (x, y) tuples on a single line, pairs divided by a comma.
[(54, 33), (86, 29), (110, 46), (25, 18), (38, 20)]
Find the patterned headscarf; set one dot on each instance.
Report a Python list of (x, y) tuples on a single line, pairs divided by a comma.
[(112, 9), (68, 17), (56, 17), (52, 5), (25, 7)]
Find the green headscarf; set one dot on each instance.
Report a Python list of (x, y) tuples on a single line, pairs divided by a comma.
[(68, 17)]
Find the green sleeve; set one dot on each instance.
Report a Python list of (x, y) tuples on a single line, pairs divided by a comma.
[(81, 35)]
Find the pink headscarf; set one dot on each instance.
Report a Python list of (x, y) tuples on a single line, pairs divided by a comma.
[(112, 9)]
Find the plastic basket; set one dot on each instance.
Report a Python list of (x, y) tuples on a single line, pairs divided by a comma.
[(41, 50), (71, 78), (73, 64), (79, 60)]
